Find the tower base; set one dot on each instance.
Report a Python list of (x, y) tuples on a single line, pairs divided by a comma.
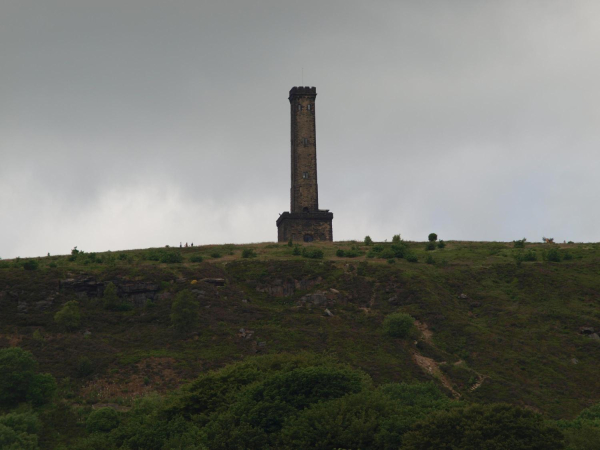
[(305, 227)]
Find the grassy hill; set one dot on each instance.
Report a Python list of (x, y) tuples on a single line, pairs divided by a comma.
[(494, 323)]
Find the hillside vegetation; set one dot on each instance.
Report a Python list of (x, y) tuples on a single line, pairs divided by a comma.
[(254, 346)]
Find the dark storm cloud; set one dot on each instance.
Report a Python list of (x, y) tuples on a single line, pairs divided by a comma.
[(131, 124)]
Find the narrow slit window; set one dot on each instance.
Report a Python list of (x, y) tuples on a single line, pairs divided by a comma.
[(305, 141), (308, 107), (305, 175), (299, 107)]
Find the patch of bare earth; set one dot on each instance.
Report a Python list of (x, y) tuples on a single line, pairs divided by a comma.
[(431, 367)]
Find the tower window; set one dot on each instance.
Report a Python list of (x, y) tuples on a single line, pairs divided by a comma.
[(305, 175), (305, 140), (308, 107), (299, 107)]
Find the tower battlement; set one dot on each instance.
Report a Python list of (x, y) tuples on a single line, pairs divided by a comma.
[(305, 221)]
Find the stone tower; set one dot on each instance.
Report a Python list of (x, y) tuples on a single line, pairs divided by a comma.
[(305, 221)]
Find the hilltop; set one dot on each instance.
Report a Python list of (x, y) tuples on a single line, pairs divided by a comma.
[(493, 323)]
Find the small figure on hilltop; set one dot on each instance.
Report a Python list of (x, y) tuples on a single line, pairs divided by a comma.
[(180, 245), (192, 244), (186, 245)]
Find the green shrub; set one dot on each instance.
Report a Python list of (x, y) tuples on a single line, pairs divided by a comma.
[(110, 298), (430, 246), (429, 260), (368, 240), (552, 255), (102, 420), (396, 239), (400, 250), (84, 367), (378, 248), (196, 259), (297, 251), (411, 257), (441, 244), (398, 325), (311, 252), (290, 243), (184, 311), (432, 237), (20, 382), (567, 256), (495, 426), (353, 253), (520, 243), (30, 264), (248, 253), (388, 253), (340, 253), (215, 255), (391, 261), (171, 257), (68, 317)]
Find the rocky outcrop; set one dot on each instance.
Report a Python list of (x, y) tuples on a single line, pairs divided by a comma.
[(137, 292), (280, 288)]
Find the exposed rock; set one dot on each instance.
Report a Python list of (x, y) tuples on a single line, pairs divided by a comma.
[(44, 304), (334, 291), (594, 336), (245, 334), (22, 306), (165, 295), (328, 313), (137, 292), (87, 333), (575, 361), (586, 330), (317, 298), (279, 288), (214, 281), (463, 296), (86, 286), (393, 300)]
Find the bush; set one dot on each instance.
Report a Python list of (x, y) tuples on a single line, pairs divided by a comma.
[(411, 258), (110, 299), (290, 243), (368, 240), (311, 252), (391, 261), (495, 426), (68, 317), (567, 256), (441, 244), (215, 255), (296, 251), (388, 253), (30, 264), (19, 381), (429, 260), (552, 255), (171, 257), (84, 367), (248, 253), (430, 246), (519, 243), (196, 259), (102, 420), (184, 311), (432, 237), (340, 253), (396, 239), (398, 325), (399, 249)]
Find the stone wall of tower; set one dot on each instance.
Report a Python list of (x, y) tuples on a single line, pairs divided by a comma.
[(304, 196)]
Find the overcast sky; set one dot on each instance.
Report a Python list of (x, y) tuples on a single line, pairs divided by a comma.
[(133, 124)]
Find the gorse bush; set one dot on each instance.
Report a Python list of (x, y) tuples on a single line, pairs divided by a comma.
[(69, 316), (30, 264), (196, 259), (396, 239), (311, 252), (102, 420), (297, 251), (430, 246), (411, 258), (399, 325), (340, 253), (368, 240), (552, 255), (432, 237), (441, 244), (520, 243), (184, 311)]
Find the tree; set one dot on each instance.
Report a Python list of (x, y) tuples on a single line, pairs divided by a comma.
[(102, 420), (184, 311), (398, 325), (68, 317), (432, 237), (490, 427), (368, 240), (19, 381)]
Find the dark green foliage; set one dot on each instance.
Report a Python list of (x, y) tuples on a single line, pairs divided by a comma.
[(297, 251), (30, 264), (184, 311), (196, 259), (400, 249), (520, 243), (398, 325), (248, 253), (160, 254), (430, 246), (478, 427), (102, 420), (552, 255), (290, 243), (368, 240), (84, 367), (391, 261), (429, 260), (312, 252), (396, 239), (215, 255), (567, 256), (171, 257), (18, 431), (69, 317), (521, 256), (432, 237), (110, 298), (441, 244), (411, 257), (340, 253), (387, 253), (19, 381)]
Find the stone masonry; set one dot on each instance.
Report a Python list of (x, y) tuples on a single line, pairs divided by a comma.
[(305, 221)]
